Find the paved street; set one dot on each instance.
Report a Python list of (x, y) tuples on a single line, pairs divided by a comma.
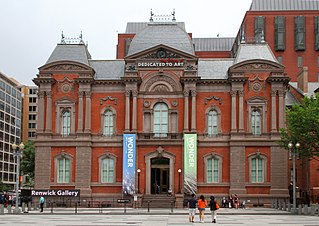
[(159, 217)]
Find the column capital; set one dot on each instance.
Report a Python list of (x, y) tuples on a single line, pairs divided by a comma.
[(41, 94), (127, 93), (281, 93), (88, 94), (240, 93), (81, 94), (48, 94), (193, 93), (186, 93), (134, 93), (273, 93), (233, 93)]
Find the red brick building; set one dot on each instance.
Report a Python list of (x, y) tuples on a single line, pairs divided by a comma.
[(165, 87)]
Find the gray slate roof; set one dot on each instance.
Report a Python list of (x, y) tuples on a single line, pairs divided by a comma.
[(72, 52), (214, 68), (108, 69), (136, 27), (290, 99), (213, 44), (284, 5), (253, 52), (168, 34)]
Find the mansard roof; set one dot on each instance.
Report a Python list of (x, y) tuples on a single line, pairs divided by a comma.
[(136, 27), (284, 5), (213, 44), (214, 68), (254, 51), (108, 69), (156, 33), (71, 52)]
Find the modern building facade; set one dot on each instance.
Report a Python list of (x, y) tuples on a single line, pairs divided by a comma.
[(10, 127)]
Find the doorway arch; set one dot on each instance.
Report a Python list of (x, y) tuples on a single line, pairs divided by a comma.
[(159, 153)]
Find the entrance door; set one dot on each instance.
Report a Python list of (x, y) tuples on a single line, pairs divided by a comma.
[(159, 175)]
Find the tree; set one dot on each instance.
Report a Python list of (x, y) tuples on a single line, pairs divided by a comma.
[(27, 162), (302, 123)]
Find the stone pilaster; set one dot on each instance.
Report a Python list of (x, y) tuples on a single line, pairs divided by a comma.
[(233, 111), (193, 123), (186, 96), (80, 113), (42, 167), (41, 107), (281, 110), (134, 113), (127, 110), (48, 124), (83, 170), (237, 170), (87, 112), (273, 111), (241, 111)]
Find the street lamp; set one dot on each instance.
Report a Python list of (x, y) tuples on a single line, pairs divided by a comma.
[(17, 153), (293, 153), (138, 180), (179, 181)]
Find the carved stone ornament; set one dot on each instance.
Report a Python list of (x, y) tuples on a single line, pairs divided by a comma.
[(213, 98), (161, 53), (66, 67), (155, 79), (66, 85), (130, 67), (257, 87), (65, 88), (147, 103), (160, 151), (108, 98), (161, 88), (174, 103), (256, 66)]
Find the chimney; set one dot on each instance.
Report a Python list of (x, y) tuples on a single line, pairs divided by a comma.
[(303, 79)]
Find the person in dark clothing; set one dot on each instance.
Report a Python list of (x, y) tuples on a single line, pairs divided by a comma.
[(213, 208), (191, 204)]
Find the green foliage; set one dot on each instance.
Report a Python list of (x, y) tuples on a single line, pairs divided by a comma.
[(5, 187), (27, 161), (303, 127)]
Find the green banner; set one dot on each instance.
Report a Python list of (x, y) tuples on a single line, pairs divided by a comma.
[(190, 163)]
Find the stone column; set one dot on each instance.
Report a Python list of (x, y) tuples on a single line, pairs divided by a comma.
[(233, 111), (127, 110), (42, 167), (281, 108), (134, 113), (80, 112), (40, 122), (193, 124), (186, 95), (87, 112), (48, 119), (237, 170), (241, 111), (273, 111), (83, 170)]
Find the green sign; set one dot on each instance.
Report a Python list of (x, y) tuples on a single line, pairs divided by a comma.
[(190, 163)]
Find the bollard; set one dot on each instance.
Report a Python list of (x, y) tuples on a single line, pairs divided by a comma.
[(148, 206), (299, 209), (35, 206), (276, 204), (305, 210), (280, 205), (76, 207), (9, 209), (312, 210), (1, 209), (124, 207), (23, 207), (172, 206), (29, 206), (289, 207), (285, 205), (317, 208), (273, 204), (51, 203), (100, 207)]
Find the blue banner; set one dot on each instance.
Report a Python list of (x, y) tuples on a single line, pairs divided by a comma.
[(129, 163)]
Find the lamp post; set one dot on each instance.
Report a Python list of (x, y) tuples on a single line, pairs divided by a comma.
[(138, 180), (293, 152), (17, 153), (179, 181)]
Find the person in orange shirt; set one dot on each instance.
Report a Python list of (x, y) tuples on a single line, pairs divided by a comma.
[(202, 203)]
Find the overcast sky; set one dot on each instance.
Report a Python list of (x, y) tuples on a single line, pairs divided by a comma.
[(30, 29)]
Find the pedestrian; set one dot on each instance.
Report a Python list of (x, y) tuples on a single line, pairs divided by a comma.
[(191, 204), (41, 203), (202, 203), (213, 208), (236, 201), (231, 201)]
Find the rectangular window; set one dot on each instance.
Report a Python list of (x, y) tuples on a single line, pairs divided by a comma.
[(212, 170), (299, 61), (300, 33), (280, 33), (64, 170), (316, 32), (259, 29), (107, 170), (257, 170), (2, 85)]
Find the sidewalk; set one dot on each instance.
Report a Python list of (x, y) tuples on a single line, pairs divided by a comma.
[(152, 211)]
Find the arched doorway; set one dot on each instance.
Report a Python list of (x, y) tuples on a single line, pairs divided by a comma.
[(159, 175), (157, 164)]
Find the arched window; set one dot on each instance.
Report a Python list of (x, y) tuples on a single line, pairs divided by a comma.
[(255, 122), (66, 123), (108, 123), (212, 122), (63, 170), (160, 120), (107, 170), (213, 168), (257, 168)]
